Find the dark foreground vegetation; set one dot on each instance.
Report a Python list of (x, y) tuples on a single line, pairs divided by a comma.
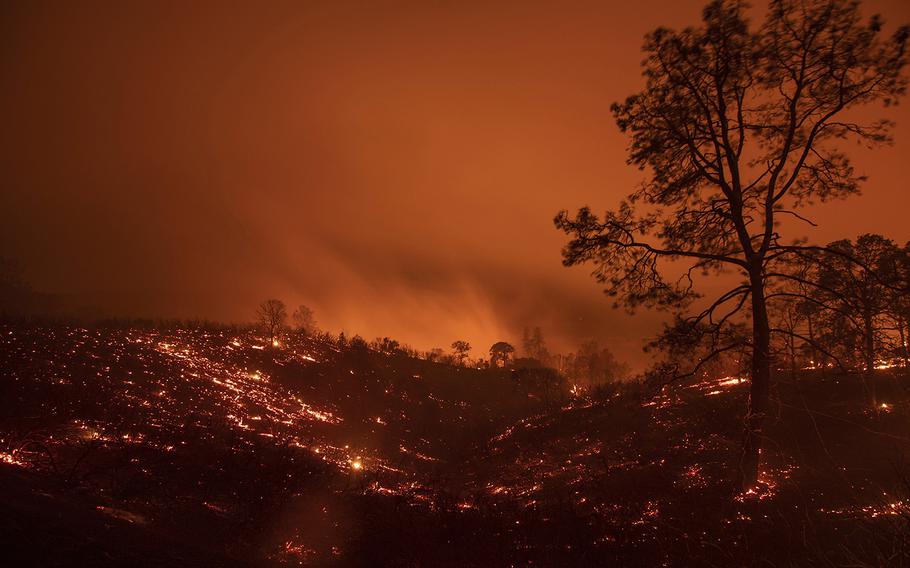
[(189, 447)]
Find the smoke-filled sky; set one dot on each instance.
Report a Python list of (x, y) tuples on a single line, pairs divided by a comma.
[(394, 165)]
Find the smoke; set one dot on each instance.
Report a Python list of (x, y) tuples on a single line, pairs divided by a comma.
[(396, 167)]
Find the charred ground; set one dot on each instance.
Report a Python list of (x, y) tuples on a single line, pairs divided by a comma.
[(182, 446)]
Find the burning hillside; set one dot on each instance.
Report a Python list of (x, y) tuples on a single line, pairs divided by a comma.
[(311, 453), (146, 421)]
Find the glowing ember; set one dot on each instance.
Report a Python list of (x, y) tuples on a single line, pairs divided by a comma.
[(884, 509), (188, 387), (10, 459)]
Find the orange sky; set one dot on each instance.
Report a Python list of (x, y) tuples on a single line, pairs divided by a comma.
[(394, 165)]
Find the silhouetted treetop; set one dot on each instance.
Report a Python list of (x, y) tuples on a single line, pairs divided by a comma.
[(734, 129), (500, 353), (737, 128)]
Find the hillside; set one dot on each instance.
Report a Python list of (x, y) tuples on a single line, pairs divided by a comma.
[(213, 428), (208, 447)]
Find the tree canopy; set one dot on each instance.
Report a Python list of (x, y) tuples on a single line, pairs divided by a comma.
[(737, 128)]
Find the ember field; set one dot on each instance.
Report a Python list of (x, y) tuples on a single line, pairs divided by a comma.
[(164, 447)]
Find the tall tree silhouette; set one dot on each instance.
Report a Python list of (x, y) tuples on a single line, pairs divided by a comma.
[(900, 306), (534, 345), (272, 315), (737, 129)]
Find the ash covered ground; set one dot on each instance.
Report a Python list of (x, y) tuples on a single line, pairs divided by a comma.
[(208, 446)]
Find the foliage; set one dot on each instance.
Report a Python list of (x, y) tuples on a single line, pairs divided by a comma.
[(500, 354), (737, 129), (460, 349)]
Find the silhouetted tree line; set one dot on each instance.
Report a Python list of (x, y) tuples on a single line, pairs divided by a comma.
[(845, 306), (537, 373)]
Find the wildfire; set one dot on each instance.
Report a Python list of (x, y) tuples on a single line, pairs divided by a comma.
[(10, 459), (769, 480), (189, 385), (884, 509), (730, 381), (714, 387), (292, 552)]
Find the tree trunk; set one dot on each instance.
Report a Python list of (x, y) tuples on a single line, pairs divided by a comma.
[(869, 356), (816, 357), (906, 346), (791, 343), (759, 394), (903, 339)]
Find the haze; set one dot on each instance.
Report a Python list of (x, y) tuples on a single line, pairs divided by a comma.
[(395, 166)]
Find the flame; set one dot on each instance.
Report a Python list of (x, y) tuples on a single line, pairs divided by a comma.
[(10, 459), (730, 381)]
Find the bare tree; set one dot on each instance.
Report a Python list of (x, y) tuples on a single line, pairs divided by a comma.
[(272, 315), (304, 320), (738, 129)]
